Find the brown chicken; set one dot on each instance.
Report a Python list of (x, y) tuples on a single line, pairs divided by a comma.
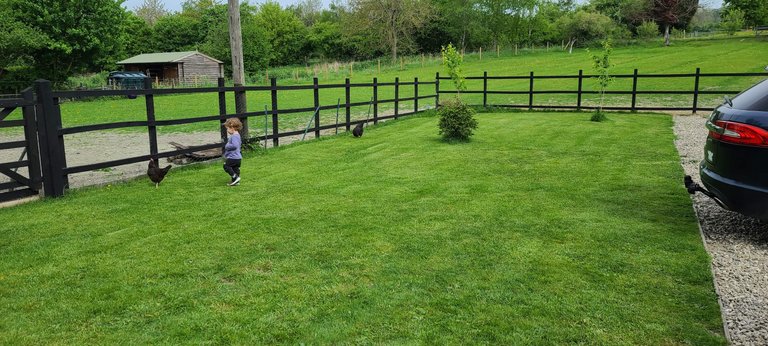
[(155, 173)]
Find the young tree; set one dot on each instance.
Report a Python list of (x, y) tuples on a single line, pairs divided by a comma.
[(457, 119), (391, 21), (602, 64), (452, 61), (673, 13), (733, 21)]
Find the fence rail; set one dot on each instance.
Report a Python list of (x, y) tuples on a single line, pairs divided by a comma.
[(43, 122), (531, 91)]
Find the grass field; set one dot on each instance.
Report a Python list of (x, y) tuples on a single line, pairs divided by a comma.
[(745, 54), (545, 229)]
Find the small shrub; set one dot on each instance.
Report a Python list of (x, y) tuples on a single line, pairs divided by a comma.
[(598, 116), (457, 120), (647, 30)]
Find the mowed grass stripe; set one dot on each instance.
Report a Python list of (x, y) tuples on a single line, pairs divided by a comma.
[(545, 228)]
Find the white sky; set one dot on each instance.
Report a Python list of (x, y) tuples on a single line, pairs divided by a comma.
[(175, 5)]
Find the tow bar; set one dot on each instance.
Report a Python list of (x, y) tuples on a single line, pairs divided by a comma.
[(692, 188)]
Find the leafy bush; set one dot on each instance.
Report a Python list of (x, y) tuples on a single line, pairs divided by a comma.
[(457, 120), (598, 116), (87, 81), (647, 30), (733, 21)]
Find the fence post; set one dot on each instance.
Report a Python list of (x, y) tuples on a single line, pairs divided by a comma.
[(530, 94), (151, 128), (578, 98), (316, 90), (397, 96), (30, 132), (223, 111), (485, 89), (51, 144), (273, 90), (634, 91), (347, 99), (437, 89), (416, 94), (696, 91), (375, 101)]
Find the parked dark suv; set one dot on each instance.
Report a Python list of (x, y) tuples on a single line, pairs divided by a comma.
[(735, 165)]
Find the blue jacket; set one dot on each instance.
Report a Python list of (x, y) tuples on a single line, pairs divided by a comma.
[(232, 149)]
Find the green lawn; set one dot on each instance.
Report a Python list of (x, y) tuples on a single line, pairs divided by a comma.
[(545, 229)]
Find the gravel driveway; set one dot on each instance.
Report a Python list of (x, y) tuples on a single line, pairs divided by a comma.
[(737, 244)]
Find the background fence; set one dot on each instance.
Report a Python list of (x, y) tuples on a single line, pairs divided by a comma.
[(44, 129), (532, 88)]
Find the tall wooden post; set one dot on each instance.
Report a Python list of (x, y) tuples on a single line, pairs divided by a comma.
[(238, 72), (223, 111)]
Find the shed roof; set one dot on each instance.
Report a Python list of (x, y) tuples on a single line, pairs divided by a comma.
[(153, 58)]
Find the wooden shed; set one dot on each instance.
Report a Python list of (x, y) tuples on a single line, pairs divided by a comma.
[(176, 67)]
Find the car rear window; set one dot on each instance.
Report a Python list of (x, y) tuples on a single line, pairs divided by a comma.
[(754, 98)]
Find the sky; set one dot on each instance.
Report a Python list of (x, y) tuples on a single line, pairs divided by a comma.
[(175, 5)]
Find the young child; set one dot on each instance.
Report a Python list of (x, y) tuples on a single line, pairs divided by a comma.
[(232, 150)]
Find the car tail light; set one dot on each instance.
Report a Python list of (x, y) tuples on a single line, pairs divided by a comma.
[(738, 133)]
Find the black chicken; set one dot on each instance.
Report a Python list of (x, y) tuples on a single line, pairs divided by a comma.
[(358, 130), (155, 173)]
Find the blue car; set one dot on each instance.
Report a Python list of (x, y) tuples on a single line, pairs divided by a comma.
[(735, 165)]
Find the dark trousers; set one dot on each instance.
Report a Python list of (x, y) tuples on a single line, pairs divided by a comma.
[(232, 167)]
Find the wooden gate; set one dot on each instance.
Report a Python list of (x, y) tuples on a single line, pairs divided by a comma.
[(20, 172)]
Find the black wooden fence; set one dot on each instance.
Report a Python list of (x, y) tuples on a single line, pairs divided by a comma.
[(53, 131), (692, 78), (44, 134), (20, 185)]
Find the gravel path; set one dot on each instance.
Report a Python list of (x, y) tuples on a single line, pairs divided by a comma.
[(737, 244)]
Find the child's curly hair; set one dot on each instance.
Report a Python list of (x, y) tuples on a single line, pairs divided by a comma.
[(233, 123)]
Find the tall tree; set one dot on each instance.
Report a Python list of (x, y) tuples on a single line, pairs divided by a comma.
[(391, 21), (151, 11), (673, 13), (286, 34), (755, 11), (18, 40), (80, 34)]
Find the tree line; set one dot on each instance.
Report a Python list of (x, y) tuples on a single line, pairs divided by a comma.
[(56, 39)]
